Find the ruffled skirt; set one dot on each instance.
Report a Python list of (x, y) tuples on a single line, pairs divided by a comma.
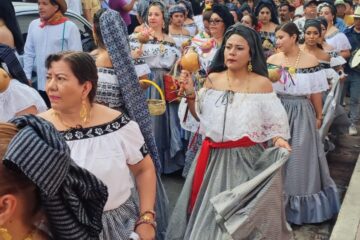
[(311, 194), (241, 197)]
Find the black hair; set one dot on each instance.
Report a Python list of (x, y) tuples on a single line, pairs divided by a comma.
[(290, 28), (7, 13), (81, 64), (323, 21), (188, 7), (290, 7), (272, 9), (97, 29), (316, 24), (206, 15)]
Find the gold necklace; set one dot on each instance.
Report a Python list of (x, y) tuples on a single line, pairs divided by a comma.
[(292, 69), (67, 126)]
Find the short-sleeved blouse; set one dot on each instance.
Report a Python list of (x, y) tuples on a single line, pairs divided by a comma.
[(18, 97), (106, 150), (229, 116), (339, 42)]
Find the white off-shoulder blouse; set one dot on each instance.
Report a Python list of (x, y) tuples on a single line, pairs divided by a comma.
[(229, 116)]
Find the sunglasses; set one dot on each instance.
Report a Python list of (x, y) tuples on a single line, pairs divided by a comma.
[(215, 21)]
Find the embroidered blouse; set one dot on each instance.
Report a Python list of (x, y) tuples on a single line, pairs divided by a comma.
[(106, 150), (304, 82), (157, 54)]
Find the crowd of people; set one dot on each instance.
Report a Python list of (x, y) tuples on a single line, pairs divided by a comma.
[(243, 98)]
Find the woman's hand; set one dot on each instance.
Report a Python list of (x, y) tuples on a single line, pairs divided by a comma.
[(145, 231), (186, 81), (135, 54), (280, 142), (318, 123)]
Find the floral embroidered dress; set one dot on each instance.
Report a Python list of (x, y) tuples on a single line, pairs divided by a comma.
[(241, 192), (160, 56), (311, 194)]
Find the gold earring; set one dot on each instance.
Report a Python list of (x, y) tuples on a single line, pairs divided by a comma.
[(4, 234), (84, 113), (250, 67)]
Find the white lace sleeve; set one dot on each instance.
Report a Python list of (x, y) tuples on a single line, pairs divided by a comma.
[(257, 116)]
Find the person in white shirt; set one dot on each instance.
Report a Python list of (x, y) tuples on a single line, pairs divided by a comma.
[(51, 33), (75, 6)]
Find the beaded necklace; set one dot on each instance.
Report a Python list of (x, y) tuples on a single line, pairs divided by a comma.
[(292, 69)]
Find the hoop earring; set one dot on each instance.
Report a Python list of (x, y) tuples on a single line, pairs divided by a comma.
[(249, 67), (84, 112), (5, 235)]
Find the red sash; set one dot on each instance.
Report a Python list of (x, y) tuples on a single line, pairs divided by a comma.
[(202, 161)]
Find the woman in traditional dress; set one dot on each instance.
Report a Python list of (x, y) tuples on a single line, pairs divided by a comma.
[(189, 24), (311, 194), (266, 13), (332, 109), (337, 62), (44, 195), (220, 20), (104, 141), (118, 88), (333, 36), (238, 112), (160, 54), (177, 30)]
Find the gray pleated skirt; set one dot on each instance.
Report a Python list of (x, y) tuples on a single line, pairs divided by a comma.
[(120, 222), (241, 197), (311, 194)]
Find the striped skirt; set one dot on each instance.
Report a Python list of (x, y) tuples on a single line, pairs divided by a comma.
[(119, 223), (311, 194), (241, 197)]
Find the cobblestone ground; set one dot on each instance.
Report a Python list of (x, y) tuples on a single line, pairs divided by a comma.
[(341, 163)]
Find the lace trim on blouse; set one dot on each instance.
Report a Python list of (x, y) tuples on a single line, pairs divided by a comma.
[(229, 116)]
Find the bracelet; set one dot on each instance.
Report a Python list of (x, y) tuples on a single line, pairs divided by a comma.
[(190, 93), (152, 212), (276, 139), (190, 98), (142, 221)]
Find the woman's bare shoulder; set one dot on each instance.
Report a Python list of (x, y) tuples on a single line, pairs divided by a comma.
[(103, 114), (275, 58), (260, 84), (307, 61)]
